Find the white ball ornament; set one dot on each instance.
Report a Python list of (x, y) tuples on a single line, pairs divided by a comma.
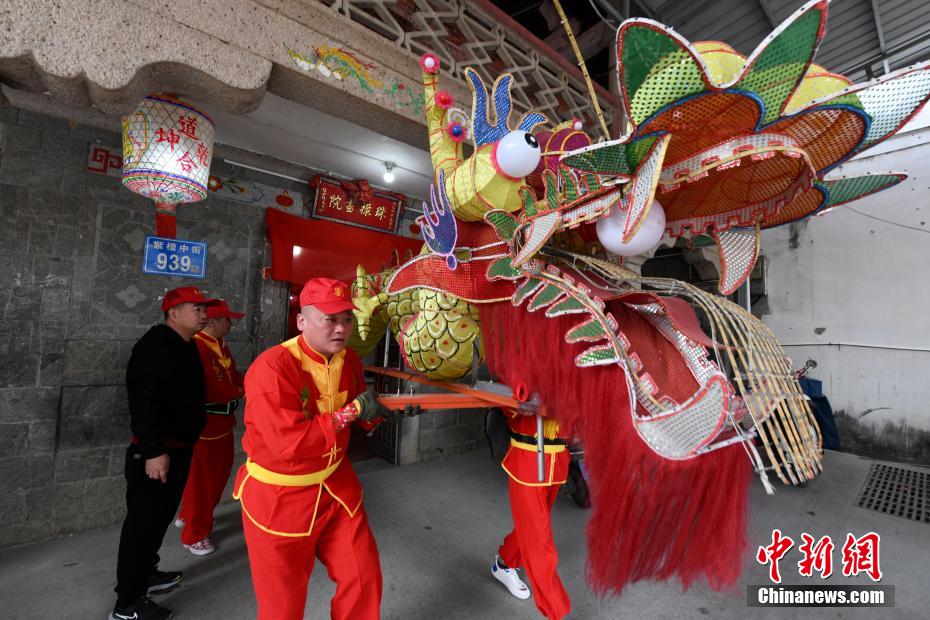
[(610, 231)]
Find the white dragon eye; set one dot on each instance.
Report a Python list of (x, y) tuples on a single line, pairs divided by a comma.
[(517, 154)]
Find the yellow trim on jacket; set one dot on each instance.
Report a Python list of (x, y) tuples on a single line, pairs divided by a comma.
[(342, 503), (238, 495), (326, 374)]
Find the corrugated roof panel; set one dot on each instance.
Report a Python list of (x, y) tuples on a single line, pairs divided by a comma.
[(851, 39), (904, 19), (842, 25), (847, 62), (909, 10), (677, 12), (910, 57), (717, 18), (782, 9), (851, 36), (710, 19), (862, 43), (741, 26)]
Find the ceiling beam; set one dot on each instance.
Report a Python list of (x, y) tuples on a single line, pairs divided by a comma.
[(917, 48), (881, 35)]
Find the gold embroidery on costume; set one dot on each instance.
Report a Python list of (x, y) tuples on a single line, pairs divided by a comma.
[(218, 356), (325, 375)]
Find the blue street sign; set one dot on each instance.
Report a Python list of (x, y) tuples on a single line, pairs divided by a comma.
[(175, 257)]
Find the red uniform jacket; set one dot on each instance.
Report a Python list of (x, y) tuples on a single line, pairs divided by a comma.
[(294, 452), (520, 462), (222, 383)]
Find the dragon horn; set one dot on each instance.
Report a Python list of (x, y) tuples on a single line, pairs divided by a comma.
[(362, 298), (445, 152)]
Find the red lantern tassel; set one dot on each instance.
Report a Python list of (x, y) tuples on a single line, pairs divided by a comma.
[(652, 518), (165, 220)]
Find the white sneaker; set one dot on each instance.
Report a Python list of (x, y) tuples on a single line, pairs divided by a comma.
[(203, 547), (509, 577)]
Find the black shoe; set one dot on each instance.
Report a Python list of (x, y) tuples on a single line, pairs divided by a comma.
[(163, 581), (143, 609)]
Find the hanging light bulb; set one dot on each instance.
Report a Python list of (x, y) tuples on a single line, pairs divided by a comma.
[(388, 174)]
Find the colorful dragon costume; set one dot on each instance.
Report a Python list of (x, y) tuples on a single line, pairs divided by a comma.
[(670, 388)]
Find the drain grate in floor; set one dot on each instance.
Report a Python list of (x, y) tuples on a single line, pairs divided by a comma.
[(896, 491)]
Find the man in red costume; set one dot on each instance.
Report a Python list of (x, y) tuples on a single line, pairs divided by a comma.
[(300, 497), (530, 544), (214, 452)]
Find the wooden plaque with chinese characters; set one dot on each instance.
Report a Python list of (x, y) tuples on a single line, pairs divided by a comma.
[(333, 203)]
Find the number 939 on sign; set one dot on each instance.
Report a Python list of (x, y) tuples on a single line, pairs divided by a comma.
[(174, 257)]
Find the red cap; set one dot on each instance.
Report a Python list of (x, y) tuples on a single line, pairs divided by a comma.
[(183, 295), (327, 295), (221, 309)]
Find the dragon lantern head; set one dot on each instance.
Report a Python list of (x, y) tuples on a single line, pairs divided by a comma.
[(750, 141), (514, 170)]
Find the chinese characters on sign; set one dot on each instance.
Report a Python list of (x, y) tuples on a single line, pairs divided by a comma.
[(174, 257), (859, 555), (378, 211)]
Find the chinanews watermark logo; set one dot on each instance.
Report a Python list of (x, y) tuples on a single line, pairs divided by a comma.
[(859, 555)]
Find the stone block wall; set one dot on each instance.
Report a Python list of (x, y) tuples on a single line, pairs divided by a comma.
[(445, 433), (73, 301)]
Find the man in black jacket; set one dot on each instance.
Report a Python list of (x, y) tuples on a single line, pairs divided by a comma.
[(166, 395)]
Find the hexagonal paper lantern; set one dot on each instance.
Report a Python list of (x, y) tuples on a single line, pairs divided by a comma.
[(167, 148)]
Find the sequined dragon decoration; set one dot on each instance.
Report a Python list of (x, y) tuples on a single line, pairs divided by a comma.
[(751, 140), (678, 394)]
